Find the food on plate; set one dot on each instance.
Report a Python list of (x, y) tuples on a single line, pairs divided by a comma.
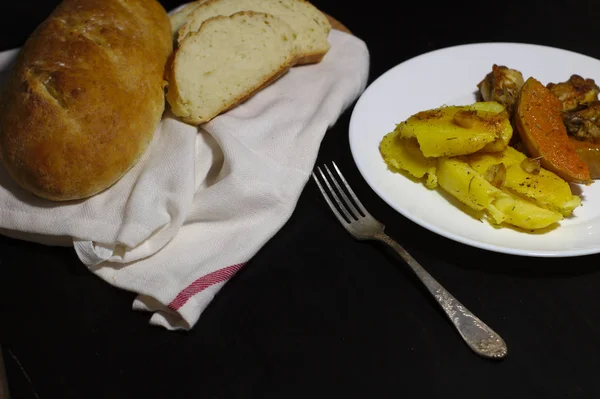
[(310, 26), (470, 187), (402, 153), (581, 116), (575, 92), (207, 78), (539, 121), (85, 97), (502, 85), (526, 178), (589, 152), (459, 130), (504, 184), (465, 151), (584, 123), (512, 156)]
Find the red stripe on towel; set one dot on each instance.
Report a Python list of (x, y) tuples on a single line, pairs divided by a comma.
[(203, 283)]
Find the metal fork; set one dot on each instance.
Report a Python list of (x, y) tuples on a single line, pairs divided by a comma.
[(363, 226)]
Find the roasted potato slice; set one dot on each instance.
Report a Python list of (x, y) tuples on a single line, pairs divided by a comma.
[(459, 130), (401, 153), (544, 188), (470, 187)]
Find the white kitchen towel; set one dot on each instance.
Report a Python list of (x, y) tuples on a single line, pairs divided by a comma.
[(202, 201)]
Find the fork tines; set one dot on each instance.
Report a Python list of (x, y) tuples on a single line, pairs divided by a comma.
[(347, 207)]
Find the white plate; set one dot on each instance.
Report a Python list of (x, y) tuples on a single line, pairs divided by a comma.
[(449, 76)]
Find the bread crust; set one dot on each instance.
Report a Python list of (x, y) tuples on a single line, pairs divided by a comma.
[(178, 18), (85, 97)]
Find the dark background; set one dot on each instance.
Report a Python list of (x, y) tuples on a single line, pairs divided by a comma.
[(316, 314)]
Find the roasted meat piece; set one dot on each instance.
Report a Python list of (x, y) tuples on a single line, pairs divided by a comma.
[(503, 85), (575, 93), (584, 124)]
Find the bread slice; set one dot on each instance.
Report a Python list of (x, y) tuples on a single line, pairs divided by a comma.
[(311, 27), (226, 61), (179, 18)]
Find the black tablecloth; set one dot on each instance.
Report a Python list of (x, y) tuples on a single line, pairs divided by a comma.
[(315, 313)]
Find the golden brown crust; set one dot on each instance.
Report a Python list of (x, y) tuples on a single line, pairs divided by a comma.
[(314, 58), (317, 57), (335, 24), (86, 96)]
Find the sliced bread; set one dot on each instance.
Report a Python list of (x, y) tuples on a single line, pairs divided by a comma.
[(311, 27), (179, 18), (226, 61)]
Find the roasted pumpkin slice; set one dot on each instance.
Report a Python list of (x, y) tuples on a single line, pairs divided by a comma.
[(539, 123)]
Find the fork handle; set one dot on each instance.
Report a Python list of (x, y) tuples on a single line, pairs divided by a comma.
[(480, 338)]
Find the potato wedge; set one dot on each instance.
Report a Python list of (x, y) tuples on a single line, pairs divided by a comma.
[(506, 132), (401, 153), (459, 130), (545, 188), (467, 185)]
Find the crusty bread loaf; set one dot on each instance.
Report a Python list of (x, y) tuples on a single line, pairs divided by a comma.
[(311, 27), (86, 96), (226, 61), (179, 18)]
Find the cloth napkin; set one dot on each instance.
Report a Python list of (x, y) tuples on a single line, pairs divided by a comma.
[(202, 201)]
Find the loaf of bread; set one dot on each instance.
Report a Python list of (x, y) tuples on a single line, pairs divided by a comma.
[(85, 97), (310, 26), (226, 61)]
